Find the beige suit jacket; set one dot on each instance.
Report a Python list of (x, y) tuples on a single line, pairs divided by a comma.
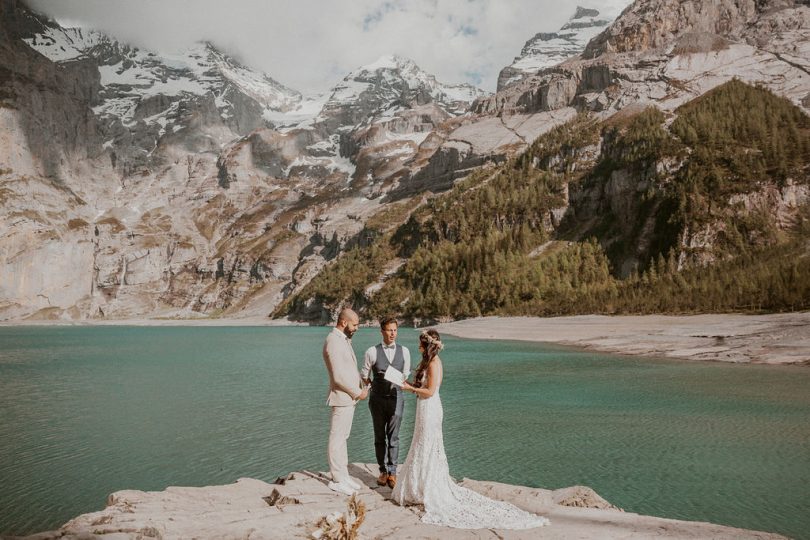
[(344, 379)]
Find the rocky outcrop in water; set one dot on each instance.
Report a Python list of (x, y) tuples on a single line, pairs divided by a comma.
[(295, 504)]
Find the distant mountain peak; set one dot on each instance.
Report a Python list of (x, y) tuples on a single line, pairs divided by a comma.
[(390, 80), (583, 12), (548, 49), (388, 61)]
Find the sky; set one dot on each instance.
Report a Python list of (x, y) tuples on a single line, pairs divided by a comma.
[(310, 45)]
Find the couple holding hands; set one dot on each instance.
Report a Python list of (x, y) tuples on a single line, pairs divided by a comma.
[(424, 477)]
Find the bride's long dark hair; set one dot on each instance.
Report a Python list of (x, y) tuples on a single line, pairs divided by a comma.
[(430, 344)]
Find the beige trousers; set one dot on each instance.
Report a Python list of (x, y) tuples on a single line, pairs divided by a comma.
[(337, 453)]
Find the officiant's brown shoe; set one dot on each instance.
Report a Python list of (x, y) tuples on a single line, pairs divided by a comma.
[(392, 481), (383, 479)]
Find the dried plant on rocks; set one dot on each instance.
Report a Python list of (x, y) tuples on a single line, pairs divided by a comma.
[(342, 526)]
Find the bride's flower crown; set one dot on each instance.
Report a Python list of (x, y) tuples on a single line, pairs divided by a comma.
[(432, 340)]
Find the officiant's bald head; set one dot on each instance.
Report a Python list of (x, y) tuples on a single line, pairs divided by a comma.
[(348, 321)]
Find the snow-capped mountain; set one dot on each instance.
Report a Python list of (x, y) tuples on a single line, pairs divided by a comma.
[(548, 49), (390, 82), (141, 85), (379, 116)]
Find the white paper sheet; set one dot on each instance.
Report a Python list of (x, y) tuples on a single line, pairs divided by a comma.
[(394, 375)]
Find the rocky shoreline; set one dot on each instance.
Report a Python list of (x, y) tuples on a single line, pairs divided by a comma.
[(293, 506), (778, 338), (774, 338)]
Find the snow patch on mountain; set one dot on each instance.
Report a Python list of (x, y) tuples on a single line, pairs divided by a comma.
[(323, 154), (302, 116), (63, 44)]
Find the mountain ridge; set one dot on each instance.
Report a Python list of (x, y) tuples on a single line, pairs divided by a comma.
[(211, 204)]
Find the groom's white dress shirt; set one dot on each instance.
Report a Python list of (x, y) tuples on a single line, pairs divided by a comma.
[(371, 356)]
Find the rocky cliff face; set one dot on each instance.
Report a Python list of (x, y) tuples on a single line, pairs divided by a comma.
[(667, 52), (656, 24)]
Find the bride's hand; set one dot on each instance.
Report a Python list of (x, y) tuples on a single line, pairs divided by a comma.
[(407, 386)]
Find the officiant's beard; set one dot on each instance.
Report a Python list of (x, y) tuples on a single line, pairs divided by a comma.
[(349, 333)]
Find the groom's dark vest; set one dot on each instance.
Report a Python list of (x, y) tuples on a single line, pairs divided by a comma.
[(379, 386)]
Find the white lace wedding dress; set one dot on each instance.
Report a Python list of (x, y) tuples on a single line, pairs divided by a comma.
[(424, 479)]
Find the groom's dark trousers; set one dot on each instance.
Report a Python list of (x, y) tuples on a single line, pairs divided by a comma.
[(386, 404)]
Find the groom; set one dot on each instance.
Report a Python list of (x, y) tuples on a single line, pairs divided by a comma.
[(345, 390), (386, 401)]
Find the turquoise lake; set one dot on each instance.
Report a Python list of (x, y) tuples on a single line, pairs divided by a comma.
[(86, 411)]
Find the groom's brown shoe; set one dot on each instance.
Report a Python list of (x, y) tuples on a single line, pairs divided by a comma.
[(383, 479), (392, 481)]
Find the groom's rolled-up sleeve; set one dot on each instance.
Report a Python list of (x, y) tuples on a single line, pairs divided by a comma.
[(368, 361)]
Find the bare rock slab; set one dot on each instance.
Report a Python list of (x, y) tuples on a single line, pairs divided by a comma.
[(291, 507)]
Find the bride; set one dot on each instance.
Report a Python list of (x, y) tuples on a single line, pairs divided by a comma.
[(425, 476)]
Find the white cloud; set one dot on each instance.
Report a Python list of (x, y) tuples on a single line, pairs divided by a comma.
[(309, 45)]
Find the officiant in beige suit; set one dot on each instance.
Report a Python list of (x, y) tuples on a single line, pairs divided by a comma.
[(346, 388)]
